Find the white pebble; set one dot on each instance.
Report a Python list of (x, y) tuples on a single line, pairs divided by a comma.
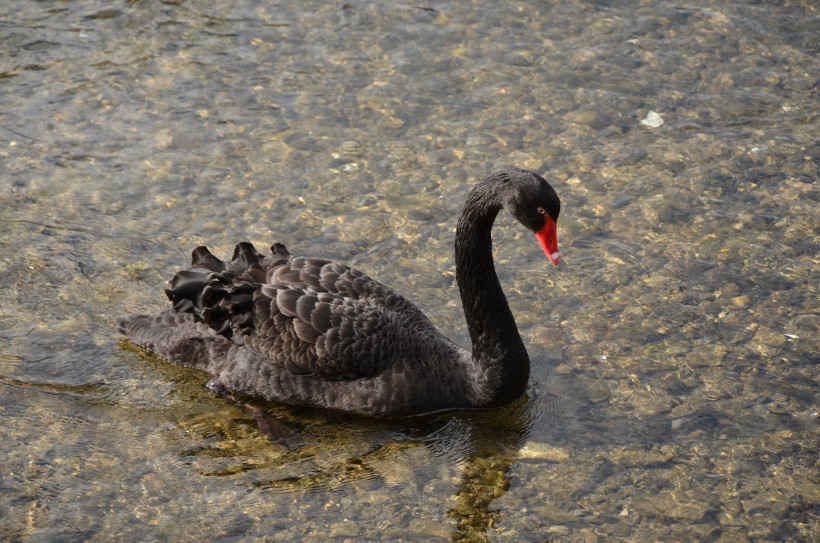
[(653, 120)]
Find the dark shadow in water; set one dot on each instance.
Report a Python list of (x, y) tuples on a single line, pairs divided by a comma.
[(496, 438), (485, 442)]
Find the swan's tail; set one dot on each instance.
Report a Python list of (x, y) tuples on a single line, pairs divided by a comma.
[(205, 297), (173, 336)]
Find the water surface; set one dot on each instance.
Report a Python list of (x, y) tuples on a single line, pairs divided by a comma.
[(674, 385)]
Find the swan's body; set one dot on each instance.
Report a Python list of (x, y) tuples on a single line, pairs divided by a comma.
[(313, 332)]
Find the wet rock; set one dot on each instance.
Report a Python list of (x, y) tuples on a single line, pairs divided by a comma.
[(431, 529), (741, 466), (766, 340), (595, 391), (603, 471), (587, 118), (544, 451), (558, 531), (616, 529), (636, 457), (345, 528), (773, 282), (553, 514), (682, 506), (649, 404)]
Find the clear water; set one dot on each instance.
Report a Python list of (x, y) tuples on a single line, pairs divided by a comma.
[(674, 390)]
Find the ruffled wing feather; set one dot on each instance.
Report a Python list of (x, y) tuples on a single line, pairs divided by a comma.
[(311, 317)]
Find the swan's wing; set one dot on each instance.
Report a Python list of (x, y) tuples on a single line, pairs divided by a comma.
[(311, 317), (320, 334), (282, 268), (324, 276)]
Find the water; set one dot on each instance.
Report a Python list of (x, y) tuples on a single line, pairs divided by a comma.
[(674, 386)]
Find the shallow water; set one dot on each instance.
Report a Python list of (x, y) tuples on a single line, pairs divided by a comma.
[(674, 386)]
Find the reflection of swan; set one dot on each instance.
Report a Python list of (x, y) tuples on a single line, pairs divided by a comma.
[(305, 331)]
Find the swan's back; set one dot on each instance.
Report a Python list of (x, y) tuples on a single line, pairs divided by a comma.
[(301, 330)]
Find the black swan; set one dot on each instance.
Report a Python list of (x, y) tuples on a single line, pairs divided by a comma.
[(311, 332)]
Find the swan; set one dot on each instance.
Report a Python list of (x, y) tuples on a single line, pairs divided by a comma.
[(304, 331)]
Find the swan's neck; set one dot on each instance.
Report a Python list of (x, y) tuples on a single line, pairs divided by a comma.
[(498, 351)]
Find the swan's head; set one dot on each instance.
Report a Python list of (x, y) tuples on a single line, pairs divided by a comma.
[(531, 200)]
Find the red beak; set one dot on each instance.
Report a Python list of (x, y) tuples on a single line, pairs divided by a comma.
[(548, 236)]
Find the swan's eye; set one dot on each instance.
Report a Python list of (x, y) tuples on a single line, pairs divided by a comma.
[(541, 211)]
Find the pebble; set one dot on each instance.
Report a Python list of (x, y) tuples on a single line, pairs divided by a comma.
[(686, 506), (653, 119), (345, 528), (543, 451), (586, 117), (639, 457)]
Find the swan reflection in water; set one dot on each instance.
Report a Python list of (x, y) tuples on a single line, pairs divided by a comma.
[(466, 454)]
